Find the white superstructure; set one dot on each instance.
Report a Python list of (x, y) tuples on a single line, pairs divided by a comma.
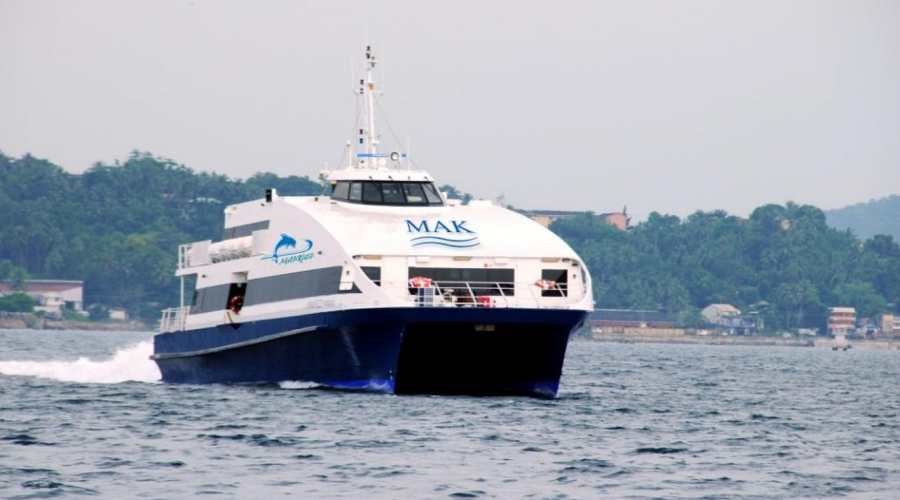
[(382, 236)]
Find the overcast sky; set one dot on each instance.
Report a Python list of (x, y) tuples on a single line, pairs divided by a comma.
[(669, 106)]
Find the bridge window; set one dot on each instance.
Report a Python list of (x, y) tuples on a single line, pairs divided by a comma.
[(392, 194), (387, 193), (414, 193), (371, 193), (355, 191), (341, 191)]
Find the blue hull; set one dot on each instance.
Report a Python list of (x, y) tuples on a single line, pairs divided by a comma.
[(423, 350)]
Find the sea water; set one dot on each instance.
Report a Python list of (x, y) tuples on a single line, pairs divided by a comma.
[(82, 414)]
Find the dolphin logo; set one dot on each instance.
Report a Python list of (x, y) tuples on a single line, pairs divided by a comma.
[(285, 242)]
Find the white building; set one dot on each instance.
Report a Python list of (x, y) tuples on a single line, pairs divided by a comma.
[(723, 317), (52, 296)]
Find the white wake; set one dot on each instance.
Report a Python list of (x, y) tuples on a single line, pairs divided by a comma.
[(128, 364)]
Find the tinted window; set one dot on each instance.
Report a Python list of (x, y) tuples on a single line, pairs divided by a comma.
[(434, 198), (356, 191), (299, 285), (414, 193), (341, 190), (393, 194), (371, 193), (214, 298), (373, 273), (389, 193)]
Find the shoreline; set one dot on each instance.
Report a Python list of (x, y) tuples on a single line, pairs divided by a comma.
[(36, 323), (674, 337)]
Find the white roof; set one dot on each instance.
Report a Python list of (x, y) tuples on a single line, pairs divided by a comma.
[(479, 230), (726, 308), (377, 174)]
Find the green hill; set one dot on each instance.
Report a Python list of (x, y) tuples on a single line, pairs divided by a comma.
[(868, 219), (118, 227)]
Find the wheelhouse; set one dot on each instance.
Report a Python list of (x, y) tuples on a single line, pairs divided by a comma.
[(386, 193)]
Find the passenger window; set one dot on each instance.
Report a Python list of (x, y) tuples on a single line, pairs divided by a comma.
[(554, 283), (373, 273)]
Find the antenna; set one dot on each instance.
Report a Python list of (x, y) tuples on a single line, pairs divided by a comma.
[(372, 143), (367, 155), (349, 154)]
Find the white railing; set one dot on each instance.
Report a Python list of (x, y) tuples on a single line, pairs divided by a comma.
[(173, 319), (184, 256), (485, 294)]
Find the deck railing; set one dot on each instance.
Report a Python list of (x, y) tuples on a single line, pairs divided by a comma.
[(441, 294), (173, 319), (487, 294), (184, 252)]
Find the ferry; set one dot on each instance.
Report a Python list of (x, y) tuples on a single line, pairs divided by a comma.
[(382, 283)]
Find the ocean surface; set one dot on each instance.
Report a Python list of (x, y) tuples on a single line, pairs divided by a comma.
[(81, 415)]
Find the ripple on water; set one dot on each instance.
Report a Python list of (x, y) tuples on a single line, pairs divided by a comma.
[(584, 466), (23, 439), (660, 450), (632, 421)]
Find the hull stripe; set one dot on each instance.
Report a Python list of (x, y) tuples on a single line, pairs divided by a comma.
[(236, 345)]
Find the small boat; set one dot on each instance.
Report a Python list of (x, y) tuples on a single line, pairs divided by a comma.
[(839, 342), (381, 283)]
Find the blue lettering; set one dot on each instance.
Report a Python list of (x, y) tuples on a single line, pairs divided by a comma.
[(460, 227), (295, 259), (423, 227), (439, 226)]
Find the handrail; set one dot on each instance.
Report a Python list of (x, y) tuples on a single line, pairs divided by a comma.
[(174, 319), (184, 255), (476, 294), (484, 294)]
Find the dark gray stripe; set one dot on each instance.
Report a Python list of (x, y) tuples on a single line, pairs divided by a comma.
[(373, 273), (312, 283), (236, 345), (213, 298), (245, 230), (299, 285)]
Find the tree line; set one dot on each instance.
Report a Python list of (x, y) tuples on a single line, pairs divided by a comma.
[(117, 228), (783, 262)]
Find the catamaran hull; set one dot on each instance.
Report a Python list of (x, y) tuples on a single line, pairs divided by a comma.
[(475, 351)]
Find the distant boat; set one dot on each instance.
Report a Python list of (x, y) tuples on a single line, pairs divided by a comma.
[(382, 283), (840, 342)]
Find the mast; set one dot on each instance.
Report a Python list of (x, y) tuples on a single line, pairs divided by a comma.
[(367, 155), (368, 137), (372, 145)]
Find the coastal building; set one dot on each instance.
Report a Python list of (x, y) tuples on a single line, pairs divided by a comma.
[(726, 318), (52, 296), (547, 217), (118, 314), (890, 324), (841, 321)]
